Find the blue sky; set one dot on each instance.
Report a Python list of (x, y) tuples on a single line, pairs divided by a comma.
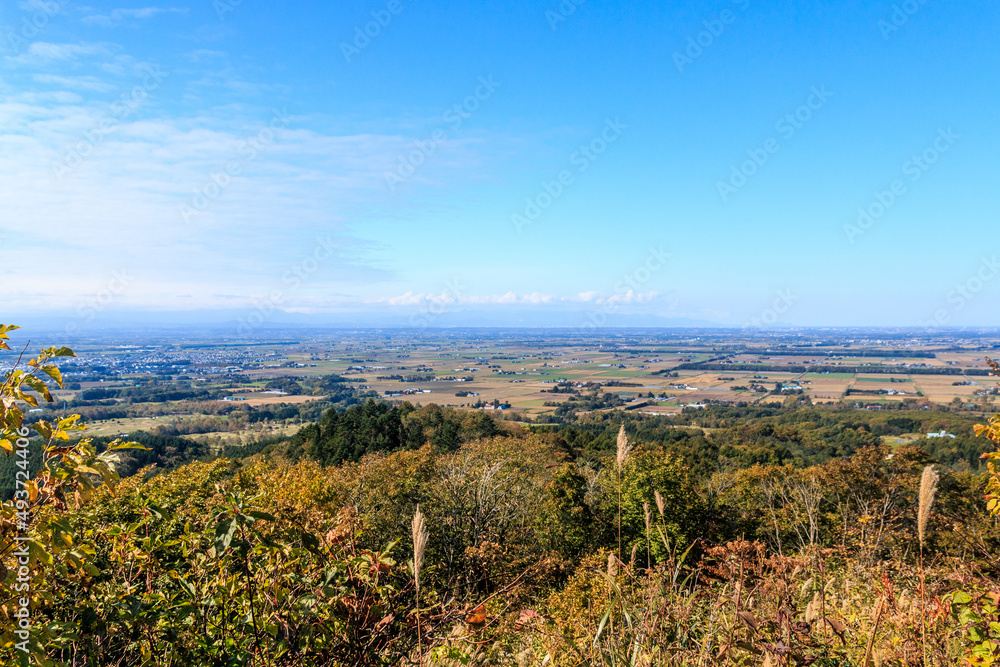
[(593, 162)]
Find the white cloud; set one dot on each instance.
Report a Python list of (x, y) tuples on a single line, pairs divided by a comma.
[(42, 52), (512, 298), (120, 207), (408, 299), (629, 297), (91, 83), (537, 297), (119, 16), (450, 298), (95, 186), (32, 99), (509, 297)]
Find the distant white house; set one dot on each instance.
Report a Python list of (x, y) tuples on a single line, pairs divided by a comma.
[(941, 434)]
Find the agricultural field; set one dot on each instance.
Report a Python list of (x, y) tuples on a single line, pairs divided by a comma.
[(154, 380)]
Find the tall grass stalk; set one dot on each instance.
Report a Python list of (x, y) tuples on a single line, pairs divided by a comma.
[(871, 639), (647, 515), (620, 457), (419, 546), (928, 489)]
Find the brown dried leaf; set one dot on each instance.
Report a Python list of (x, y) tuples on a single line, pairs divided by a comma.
[(477, 616), (837, 626), (749, 619)]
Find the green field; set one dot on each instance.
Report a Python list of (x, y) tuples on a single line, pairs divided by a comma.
[(880, 380)]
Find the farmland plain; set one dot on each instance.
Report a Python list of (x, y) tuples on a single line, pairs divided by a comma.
[(212, 386)]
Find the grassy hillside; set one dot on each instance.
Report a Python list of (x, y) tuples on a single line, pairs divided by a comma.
[(271, 561)]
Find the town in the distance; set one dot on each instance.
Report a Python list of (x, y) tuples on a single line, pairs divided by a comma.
[(209, 385)]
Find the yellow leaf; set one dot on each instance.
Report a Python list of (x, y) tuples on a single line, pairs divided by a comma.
[(70, 423), (44, 428), (53, 373)]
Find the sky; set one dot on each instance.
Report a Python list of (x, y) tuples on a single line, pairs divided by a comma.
[(580, 163)]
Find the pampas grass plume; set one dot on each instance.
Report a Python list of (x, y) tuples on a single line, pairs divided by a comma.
[(419, 545), (623, 447), (928, 489)]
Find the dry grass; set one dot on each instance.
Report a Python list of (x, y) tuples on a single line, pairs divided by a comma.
[(419, 547), (623, 448), (743, 606), (928, 489)]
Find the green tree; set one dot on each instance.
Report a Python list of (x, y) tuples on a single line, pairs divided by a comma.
[(645, 474), (568, 519)]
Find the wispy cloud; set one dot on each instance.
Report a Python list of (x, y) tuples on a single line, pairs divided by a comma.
[(119, 17), (46, 53), (98, 156), (119, 208), (450, 298), (91, 83)]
